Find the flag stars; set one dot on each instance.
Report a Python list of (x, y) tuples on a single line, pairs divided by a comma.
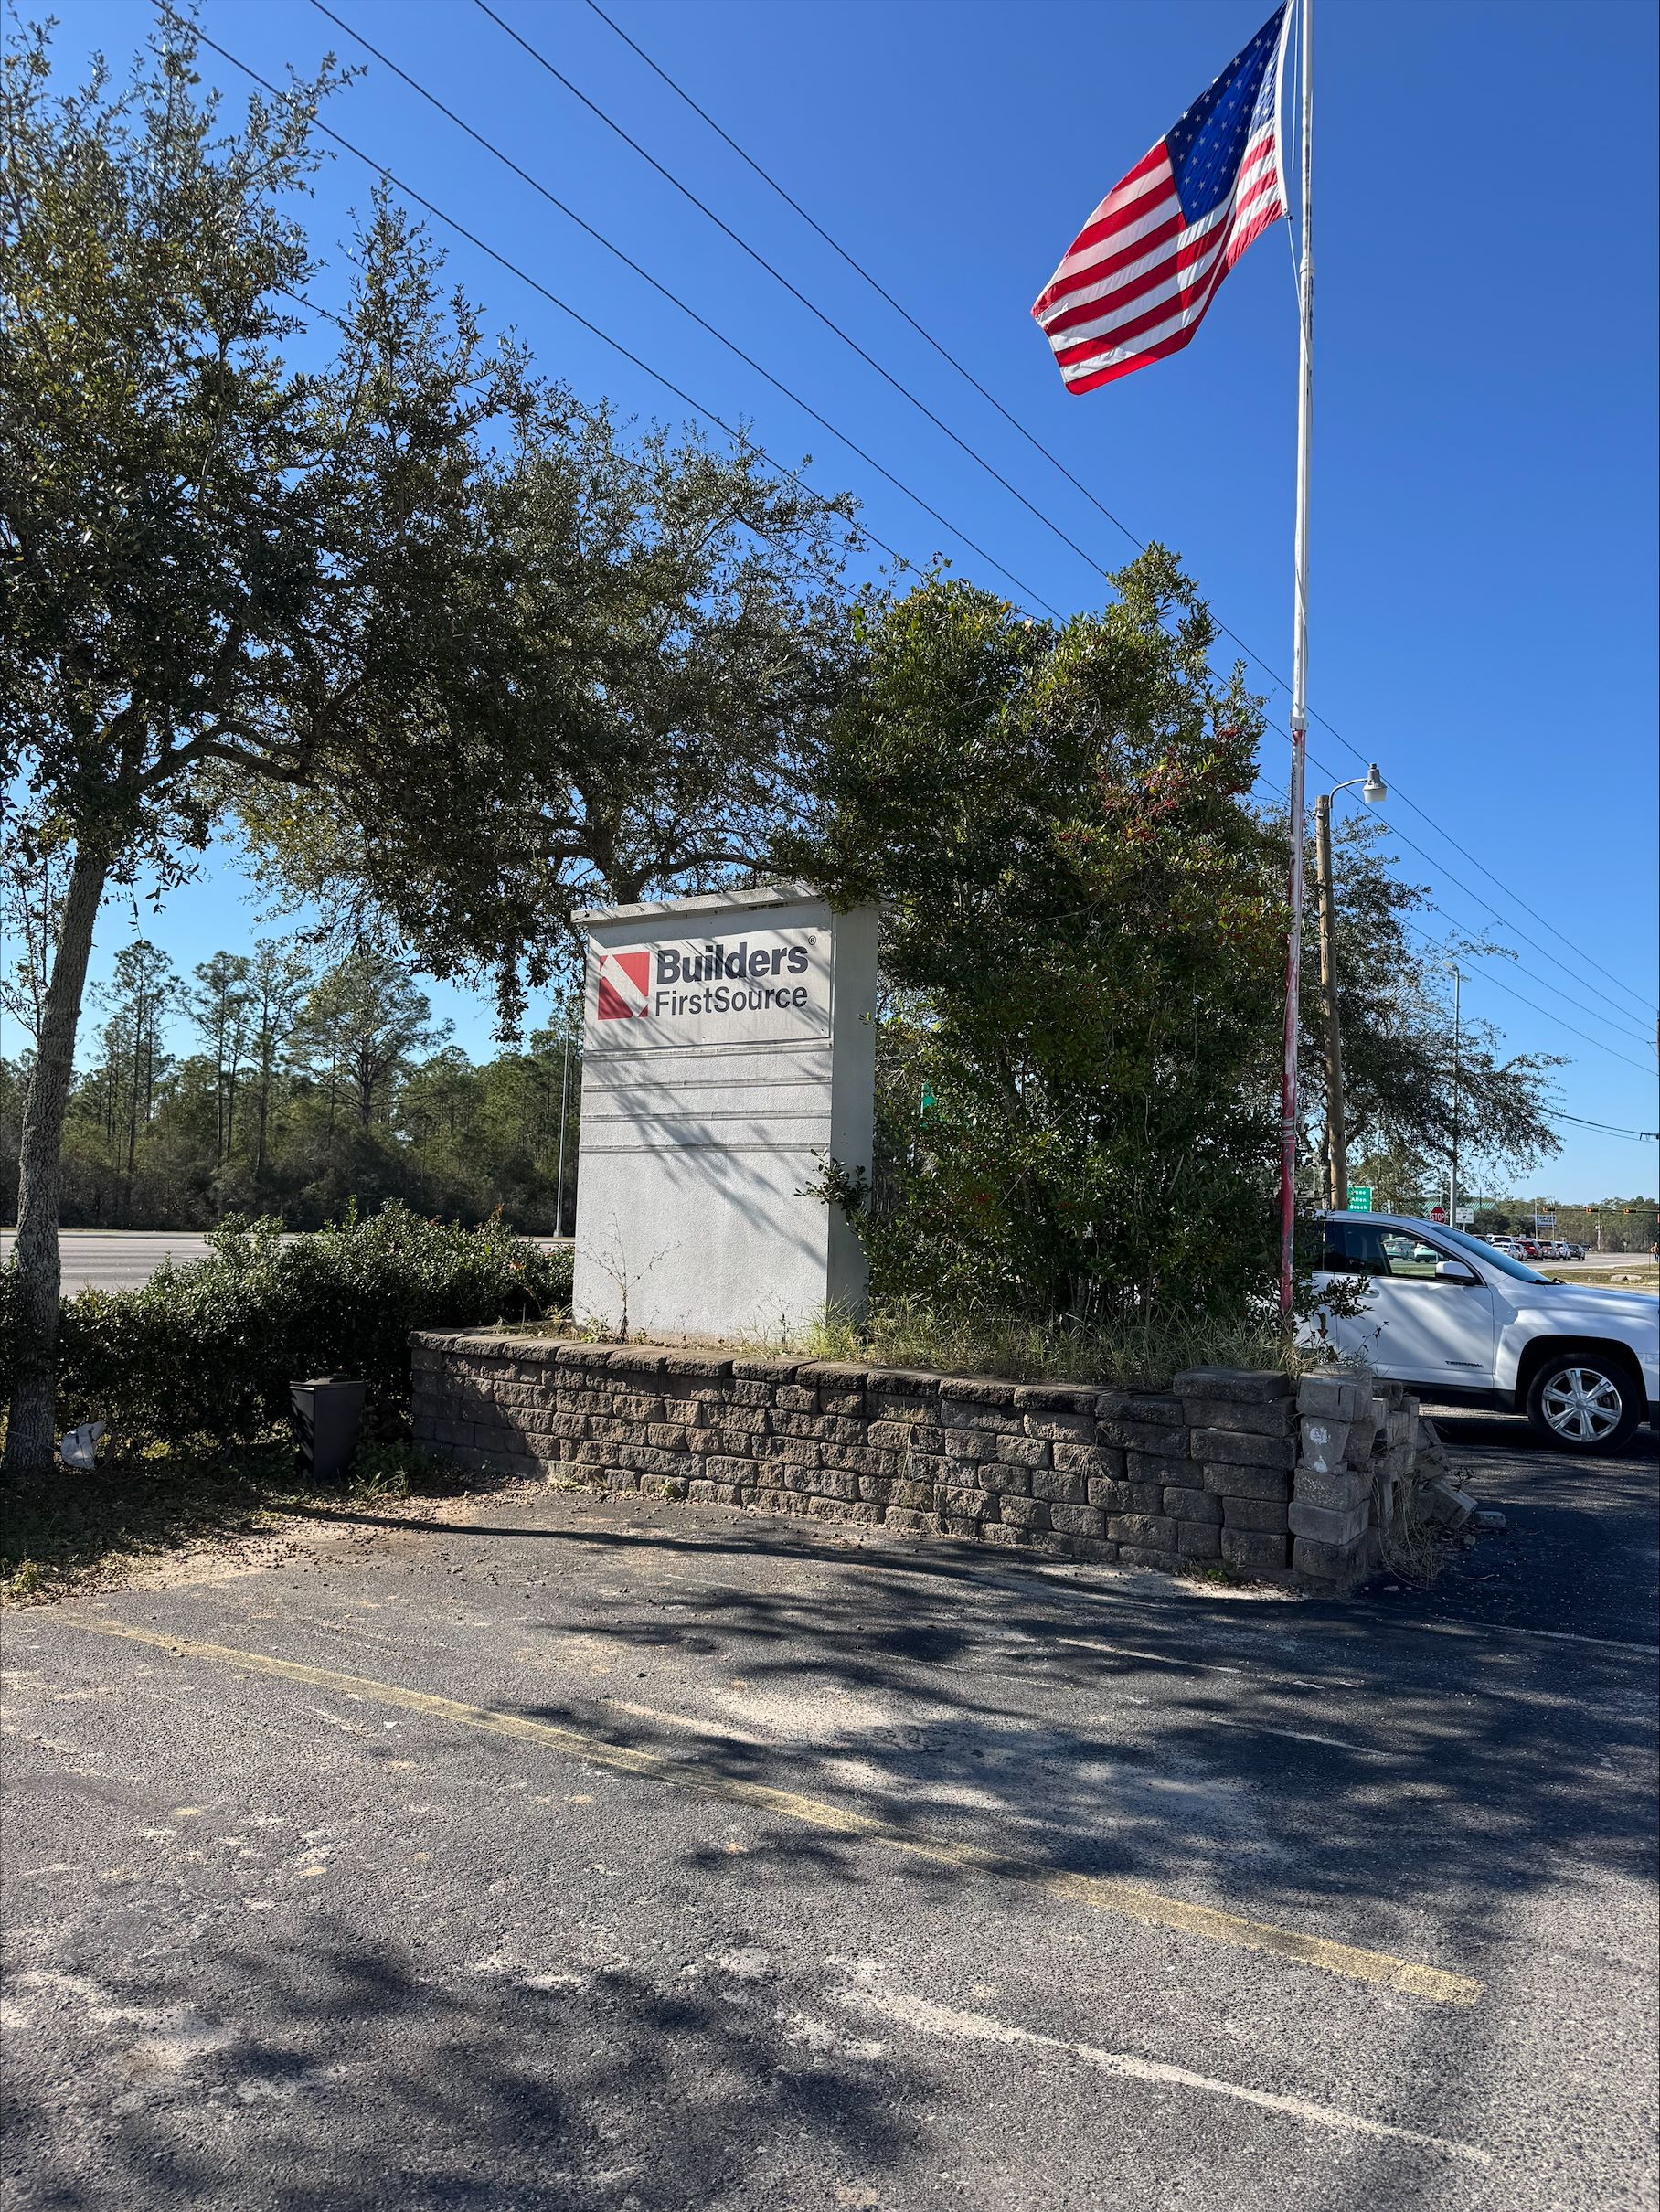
[(1100, 337)]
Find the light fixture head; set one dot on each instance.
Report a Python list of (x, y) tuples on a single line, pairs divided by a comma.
[(1374, 790)]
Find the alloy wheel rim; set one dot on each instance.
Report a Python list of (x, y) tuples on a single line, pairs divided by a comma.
[(1582, 1403)]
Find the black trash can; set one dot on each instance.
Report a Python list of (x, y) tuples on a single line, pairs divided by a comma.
[(326, 1413)]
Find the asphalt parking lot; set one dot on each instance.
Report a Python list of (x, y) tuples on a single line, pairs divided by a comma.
[(570, 1853)]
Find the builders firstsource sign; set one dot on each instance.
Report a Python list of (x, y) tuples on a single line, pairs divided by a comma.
[(726, 986), (729, 1046)]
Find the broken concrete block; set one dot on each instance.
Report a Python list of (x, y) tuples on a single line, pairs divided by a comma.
[(1445, 1506), (1324, 1443), (1336, 1397)]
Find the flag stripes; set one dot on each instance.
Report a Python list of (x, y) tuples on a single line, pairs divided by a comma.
[(1137, 281)]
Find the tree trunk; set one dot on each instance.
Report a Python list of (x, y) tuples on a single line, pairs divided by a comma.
[(264, 1115), (31, 1435)]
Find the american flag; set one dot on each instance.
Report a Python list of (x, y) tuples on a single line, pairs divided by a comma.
[(1137, 279)]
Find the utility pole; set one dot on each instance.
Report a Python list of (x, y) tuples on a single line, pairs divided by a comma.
[(1457, 1076), (1337, 1141)]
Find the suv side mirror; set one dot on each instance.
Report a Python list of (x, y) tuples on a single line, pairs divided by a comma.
[(1455, 1271)]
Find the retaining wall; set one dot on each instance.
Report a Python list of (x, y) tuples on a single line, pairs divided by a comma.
[(1294, 1483)]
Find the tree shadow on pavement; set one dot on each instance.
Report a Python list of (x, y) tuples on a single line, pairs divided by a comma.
[(1102, 1728), (337, 2077)]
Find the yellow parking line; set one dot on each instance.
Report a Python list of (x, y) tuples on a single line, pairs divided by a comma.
[(1126, 1900)]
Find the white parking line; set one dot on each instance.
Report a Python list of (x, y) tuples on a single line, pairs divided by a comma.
[(1205, 1666), (946, 2021), (1326, 1743), (1272, 1681), (1544, 1636)]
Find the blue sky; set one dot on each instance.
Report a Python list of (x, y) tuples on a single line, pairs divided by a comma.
[(1482, 579)]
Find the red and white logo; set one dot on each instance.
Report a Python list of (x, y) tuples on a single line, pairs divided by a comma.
[(625, 983)]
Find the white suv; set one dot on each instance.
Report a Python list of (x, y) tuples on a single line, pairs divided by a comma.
[(1460, 1321)]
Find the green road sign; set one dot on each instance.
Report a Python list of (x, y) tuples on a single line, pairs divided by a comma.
[(1360, 1198)]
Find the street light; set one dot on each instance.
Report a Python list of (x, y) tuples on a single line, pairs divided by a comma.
[(1373, 789)]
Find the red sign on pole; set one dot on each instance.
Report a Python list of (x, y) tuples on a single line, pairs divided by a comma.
[(1438, 1213)]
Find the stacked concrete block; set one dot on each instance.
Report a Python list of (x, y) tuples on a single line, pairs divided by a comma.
[(1342, 1430), (1241, 1428), (1228, 1469)]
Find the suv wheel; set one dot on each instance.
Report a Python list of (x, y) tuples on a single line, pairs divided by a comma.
[(1584, 1401)]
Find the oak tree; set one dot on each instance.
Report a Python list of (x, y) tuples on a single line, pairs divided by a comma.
[(222, 571)]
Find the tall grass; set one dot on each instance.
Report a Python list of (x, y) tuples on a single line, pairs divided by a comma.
[(1143, 1351)]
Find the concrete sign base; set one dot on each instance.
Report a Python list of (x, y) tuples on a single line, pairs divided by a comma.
[(729, 1050)]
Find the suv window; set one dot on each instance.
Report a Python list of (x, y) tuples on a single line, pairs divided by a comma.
[(1410, 1256), (1354, 1248), (1368, 1247)]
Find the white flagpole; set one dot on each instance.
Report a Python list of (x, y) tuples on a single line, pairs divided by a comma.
[(1299, 679)]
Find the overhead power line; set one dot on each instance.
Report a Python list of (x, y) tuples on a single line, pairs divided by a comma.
[(524, 276), (761, 260), (881, 291), (1621, 1028), (1452, 954), (1609, 1129), (490, 146), (1490, 977), (700, 407), (697, 406), (1590, 1012), (1039, 446), (1637, 996)]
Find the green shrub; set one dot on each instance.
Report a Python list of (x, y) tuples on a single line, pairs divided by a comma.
[(209, 1349), (1078, 1064)]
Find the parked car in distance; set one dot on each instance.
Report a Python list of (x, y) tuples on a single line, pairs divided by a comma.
[(1461, 1321)]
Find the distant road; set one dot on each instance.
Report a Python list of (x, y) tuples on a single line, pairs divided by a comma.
[(117, 1259)]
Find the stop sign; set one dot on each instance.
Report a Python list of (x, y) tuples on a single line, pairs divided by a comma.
[(1438, 1213)]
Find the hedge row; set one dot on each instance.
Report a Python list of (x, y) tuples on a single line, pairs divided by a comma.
[(206, 1350)]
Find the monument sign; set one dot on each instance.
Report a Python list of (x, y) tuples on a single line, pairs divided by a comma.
[(728, 1049)]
